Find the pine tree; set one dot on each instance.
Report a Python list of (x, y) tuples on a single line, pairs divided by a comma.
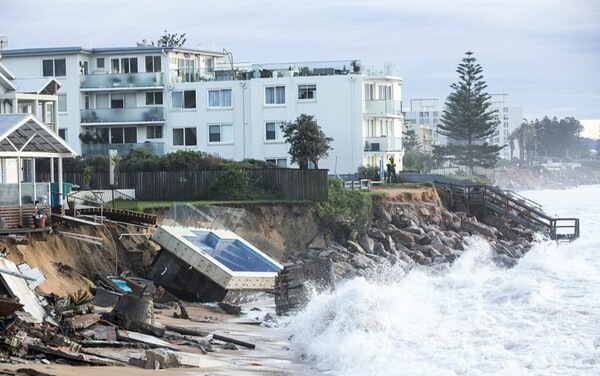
[(467, 120), (307, 141), (410, 140)]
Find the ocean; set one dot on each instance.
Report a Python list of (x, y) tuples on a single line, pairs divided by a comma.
[(541, 317)]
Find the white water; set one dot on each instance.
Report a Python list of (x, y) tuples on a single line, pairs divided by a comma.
[(541, 317)]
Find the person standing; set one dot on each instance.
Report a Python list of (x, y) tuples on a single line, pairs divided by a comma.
[(391, 169)]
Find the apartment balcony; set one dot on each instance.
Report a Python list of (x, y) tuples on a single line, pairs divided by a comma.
[(98, 82), (123, 115), (208, 74), (323, 68), (158, 148), (382, 144), (382, 107)]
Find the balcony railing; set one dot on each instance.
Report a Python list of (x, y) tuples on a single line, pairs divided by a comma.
[(383, 144), (207, 74), (31, 194), (97, 81), (383, 107), (124, 115), (158, 148)]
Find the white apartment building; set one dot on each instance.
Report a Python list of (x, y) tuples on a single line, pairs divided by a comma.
[(428, 112), (424, 116), (510, 118), (167, 98)]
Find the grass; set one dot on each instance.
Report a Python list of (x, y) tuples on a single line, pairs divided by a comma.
[(143, 205)]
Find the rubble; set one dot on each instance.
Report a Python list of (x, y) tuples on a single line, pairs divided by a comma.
[(70, 332)]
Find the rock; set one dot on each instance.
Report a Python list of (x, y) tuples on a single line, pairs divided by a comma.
[(375, 234), (343, 269), (366, 243), (414, 229), (424, 212), (318, 241), (380, 250), (423, 239), (476, 227), (353, 235), (504, 260), (389, 244), (361, 261), (230, 346), (231, 308), (381, 213), (354, 246), (407, 239)]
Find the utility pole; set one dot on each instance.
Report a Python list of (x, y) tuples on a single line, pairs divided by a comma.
[(3, 42)]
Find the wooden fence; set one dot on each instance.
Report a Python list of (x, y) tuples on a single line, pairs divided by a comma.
[(292, 184)]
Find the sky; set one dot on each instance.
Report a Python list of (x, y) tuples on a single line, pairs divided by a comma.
[(545, 54)]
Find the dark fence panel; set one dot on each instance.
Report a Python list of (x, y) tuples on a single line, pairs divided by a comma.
[(292, 184)]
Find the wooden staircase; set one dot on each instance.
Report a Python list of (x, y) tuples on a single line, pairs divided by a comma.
[(480, 199)]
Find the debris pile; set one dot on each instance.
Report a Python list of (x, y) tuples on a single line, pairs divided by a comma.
[(76, 330)]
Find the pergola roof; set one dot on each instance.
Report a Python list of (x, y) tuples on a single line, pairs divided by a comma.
[(23, 135), (47, 85)]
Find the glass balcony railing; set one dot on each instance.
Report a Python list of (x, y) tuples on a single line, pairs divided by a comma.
[(208, 74), (31, 194), (383, 144), (158, 148), (124, 115), (97, 81), (382, 107)]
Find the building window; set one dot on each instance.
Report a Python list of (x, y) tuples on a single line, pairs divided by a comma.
[(184, 99), (153, 64), (424, 114), (219, 98), (435, 113), (154, 98), (54, 67), (125, 65), (279, 162), (435, 121), (154, 131), (275, 95), (184, 136), (307, 91), (505, 124), (505, 117), (62, 133), (62, 102), (220, 133), (505, 109), (127, 135), (369, 92), (117, 101), (99, 63), (273, 130)]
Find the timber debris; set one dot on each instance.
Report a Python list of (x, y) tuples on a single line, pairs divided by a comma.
[(37, 328)]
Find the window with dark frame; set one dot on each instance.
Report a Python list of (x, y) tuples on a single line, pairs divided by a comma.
[(307, 92), (54, 67)]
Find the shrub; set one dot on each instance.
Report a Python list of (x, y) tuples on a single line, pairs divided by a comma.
[(368, 172), (353, 208), (234, 184)]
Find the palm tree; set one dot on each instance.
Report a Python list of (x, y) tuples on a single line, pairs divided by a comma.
[(525, 136)]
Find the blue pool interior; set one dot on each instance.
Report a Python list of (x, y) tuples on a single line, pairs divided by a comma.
[(232, 253)]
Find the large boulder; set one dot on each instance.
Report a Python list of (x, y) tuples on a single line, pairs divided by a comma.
[(473, 227), (355, 247), (405, 238)]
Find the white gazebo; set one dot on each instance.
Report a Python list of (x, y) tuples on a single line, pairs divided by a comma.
[(23, 139)]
